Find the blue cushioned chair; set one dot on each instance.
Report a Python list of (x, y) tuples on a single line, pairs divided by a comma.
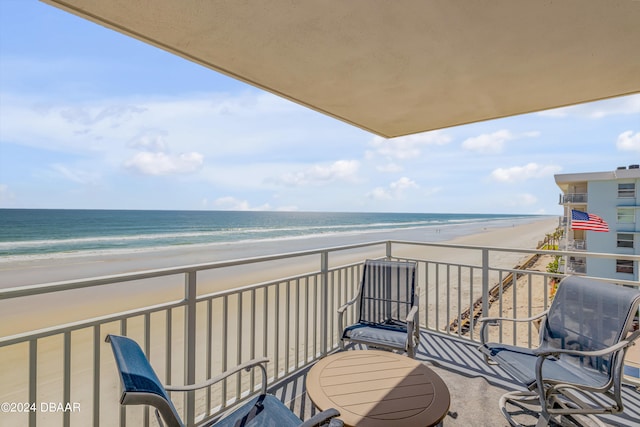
[(141, 386), (577, 368), (388, 308)]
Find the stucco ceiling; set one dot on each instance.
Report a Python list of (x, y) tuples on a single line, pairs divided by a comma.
[(404, 66)]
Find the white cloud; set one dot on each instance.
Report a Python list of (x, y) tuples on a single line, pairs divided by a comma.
[(110, 125), (628, 141), (340, 170), (394, 190), (613, 107), (149, 163), (598, 110), (522, 173), (491, 143), (402, 184), (407, 147), (111, 115), (150, 141), (380, 193), (233, 204)]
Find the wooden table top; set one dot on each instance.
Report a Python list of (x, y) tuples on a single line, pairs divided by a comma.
[(373, 388)]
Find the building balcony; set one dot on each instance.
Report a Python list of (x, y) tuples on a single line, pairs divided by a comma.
[(191, 333), (576, 265), (574, 245), (573, 198)]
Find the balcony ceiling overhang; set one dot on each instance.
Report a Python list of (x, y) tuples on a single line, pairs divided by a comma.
[(399, 67)]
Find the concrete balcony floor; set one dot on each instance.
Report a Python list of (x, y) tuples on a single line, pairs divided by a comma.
[(475, 388)]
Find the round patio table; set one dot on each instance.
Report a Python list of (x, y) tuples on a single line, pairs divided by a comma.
[(373, 388)]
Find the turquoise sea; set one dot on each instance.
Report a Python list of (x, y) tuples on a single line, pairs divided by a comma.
[(55, 232)]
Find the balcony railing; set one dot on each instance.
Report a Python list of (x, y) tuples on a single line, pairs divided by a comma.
[(577, 265), (573, 198), (290, 320), (574, 245)]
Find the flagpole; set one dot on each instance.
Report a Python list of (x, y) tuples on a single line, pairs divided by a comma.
[(566, 237)]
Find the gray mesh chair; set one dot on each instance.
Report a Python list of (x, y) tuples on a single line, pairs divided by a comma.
[(388, 308), (577, 368), (141, 386)]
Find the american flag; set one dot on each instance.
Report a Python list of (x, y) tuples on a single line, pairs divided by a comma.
[(586, 221)]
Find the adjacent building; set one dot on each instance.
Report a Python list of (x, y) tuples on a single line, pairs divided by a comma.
[(613, 196)]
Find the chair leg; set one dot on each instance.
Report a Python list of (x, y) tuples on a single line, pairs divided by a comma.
[(543, 420), (411, 352), (570, 402), (521, 398), (529, 400)]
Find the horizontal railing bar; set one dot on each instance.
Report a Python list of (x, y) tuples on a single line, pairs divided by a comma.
[(582, 254), (21, 291), (252, 287), (67, 285), (256, 286), (29, 290), (449, 264), (547, 274), (74, 326)]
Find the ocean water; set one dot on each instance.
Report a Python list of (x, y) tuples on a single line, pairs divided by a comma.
[(50, 233)]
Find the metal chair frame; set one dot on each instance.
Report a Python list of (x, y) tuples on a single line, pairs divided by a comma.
[(383, 313), (141, 386), (556, 366)]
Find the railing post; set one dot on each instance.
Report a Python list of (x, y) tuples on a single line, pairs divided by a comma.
[(33, 379), (324, 303), (190, 345), (485, 282), (388, 249)]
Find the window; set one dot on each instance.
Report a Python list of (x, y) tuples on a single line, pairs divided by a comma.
[(627, 190), (626, 215), (624, 266), (625, 240)]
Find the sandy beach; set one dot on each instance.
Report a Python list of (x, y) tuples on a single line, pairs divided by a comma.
[(25, 314)]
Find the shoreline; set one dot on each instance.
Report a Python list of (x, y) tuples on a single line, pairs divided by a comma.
[(124, 233), (22, 271)]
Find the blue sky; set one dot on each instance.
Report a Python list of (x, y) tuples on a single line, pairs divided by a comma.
[(92, 119)]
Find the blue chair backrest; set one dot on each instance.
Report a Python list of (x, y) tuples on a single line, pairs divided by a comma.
[(140, 384), (588, 314), (388, 291)]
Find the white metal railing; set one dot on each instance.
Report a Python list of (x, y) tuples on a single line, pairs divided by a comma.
[(577, 265), (578, 244), (290, 320), (573, 198)]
